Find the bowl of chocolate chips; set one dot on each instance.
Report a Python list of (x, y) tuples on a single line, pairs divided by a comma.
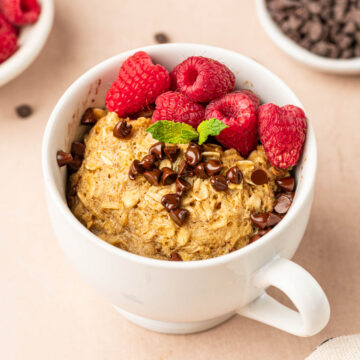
[(322, 34)]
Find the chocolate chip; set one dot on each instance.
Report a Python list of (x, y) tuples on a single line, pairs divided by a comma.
[(260, 220), (262, 232), (273, 219), (157, 150), (287, 184), (179, 216), (185, 170), (175, 257), (161, 38), (259, 177), (153, 176), (193, 154), (234, 175), (78, 148), (148, 162), (282, 204), (145, 112), (290, 195), (63, 158), (75, 164), (171, 202), (172, 152), (200, 171), (182, 186), (254, 238), (88, 117), (219, 182), (122, 129), (23, 111), (213, 167), (135, 169), (169, 176)]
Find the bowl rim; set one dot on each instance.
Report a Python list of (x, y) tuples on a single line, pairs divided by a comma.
[(62, 207), (28, 52), (290, 47)]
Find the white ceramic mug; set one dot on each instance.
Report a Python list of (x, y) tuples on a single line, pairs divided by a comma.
[(185, 297)]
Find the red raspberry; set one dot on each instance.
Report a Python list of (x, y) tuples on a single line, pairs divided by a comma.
[(138, 84), (177, 107), (173, 75), (253, 97), (202, 79), (20, 12), (237, 110), (8, 40), (282, 133)]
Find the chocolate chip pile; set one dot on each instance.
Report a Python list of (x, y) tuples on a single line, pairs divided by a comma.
[(329, 28), (190, 167), (266, 221), (73, 160)]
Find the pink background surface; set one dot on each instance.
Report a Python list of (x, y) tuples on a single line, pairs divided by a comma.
[(46, 310)]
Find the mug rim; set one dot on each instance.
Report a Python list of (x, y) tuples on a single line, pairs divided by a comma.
[(63, 208)]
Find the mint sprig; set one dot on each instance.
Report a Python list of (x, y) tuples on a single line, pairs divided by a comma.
[(211, 127), (181, 133)]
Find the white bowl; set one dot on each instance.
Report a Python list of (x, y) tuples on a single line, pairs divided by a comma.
[(184, 297), (290, 47), (31, 40)]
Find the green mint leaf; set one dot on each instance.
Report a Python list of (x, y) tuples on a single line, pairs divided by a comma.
[(172, 132), (209, 127)]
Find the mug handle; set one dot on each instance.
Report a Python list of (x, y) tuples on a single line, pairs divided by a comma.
[(313, 307)]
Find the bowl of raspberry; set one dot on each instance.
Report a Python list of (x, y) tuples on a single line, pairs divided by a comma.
[(24, 29), (179, 182), (324, 35)]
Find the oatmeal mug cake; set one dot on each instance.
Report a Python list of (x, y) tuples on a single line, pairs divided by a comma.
[(204, 171)]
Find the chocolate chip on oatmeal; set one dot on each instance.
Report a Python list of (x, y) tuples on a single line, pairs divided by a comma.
[(254, 238), (157, 150), (135, 169), (273, 219), (287, 184), (185, 170), (200, 171), (219, 182), (193, 154), (88, 117), (172, 152), (213, 167), (161, 38), (63, 158), (168, 176), (262, 232), (175, 257), (148, 162), (24, 111), (145, 112), (234, 175), (153, 176), (182, 186), (179, 216), (259, 177), (78, 148), (122, 129), (171, 201), (75, 164), (282, 204), (260, 220), (290, 195)]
